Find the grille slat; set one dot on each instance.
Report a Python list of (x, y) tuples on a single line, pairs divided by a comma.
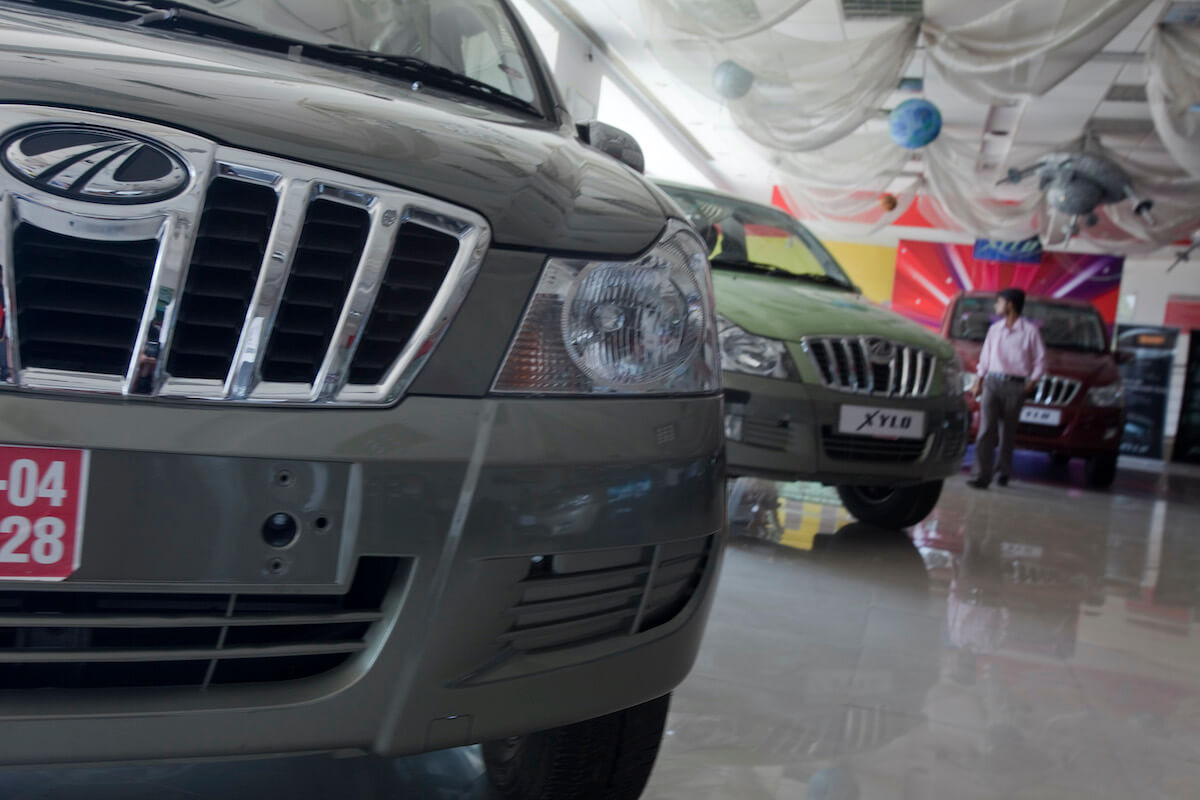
[(398, 304), (98, 656), (227, 256), (62, 327), (871, 365), (303, 331), (54, 638)]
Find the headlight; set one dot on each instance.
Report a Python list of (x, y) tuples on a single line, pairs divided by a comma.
[(636, 327), (1107, 396), (742, 351), (953, 378)]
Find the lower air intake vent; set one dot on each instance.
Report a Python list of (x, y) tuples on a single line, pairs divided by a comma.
[(574, 599), (53, 639)]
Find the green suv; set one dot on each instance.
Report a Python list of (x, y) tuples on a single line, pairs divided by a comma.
[(821, 384)]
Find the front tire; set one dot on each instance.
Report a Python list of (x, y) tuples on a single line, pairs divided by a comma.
[(607, 758), (891, 507), (1101, 471)]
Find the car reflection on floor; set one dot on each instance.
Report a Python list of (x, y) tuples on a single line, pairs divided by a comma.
[(1036, 642)]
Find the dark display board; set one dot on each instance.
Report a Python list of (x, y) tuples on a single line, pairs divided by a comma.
[(1147, 379), (1187, 439)]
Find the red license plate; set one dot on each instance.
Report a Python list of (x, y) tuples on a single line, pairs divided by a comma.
[(42, 494)]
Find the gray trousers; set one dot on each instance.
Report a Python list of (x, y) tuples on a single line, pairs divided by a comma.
[(999, 415)]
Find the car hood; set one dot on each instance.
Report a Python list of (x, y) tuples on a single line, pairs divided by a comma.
[(1093, 369), (538, 186), (781, 308)]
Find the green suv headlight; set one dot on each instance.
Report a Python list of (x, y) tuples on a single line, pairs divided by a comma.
[(645, 326), (1110, 396), (748, 353)]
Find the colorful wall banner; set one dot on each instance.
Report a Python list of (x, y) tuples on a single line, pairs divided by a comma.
[(930, 274), (1028, 251)]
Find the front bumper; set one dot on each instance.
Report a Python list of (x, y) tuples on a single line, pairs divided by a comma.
[(788, 431), (551, 561), (1085, 431)]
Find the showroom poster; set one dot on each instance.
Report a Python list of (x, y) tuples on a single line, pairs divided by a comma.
[(930, 274), (1028, 251), (1187, 438), (1147, 378)]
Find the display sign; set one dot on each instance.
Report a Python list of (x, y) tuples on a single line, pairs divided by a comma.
[(930, 274), (1028, 251), (1187, 439), (1147, 379)]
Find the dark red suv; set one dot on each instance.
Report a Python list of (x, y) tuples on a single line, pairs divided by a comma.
[(1078, 408)]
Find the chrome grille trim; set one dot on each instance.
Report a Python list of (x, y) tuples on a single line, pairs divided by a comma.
[(174, 224), (908, 372), (1056, 390)]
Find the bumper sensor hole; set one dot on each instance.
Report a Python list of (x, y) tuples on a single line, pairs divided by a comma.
[(280, 529), (321, 523)]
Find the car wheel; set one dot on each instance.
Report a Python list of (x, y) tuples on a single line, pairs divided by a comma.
[(607, 758), (889, 506), (1101, 471)]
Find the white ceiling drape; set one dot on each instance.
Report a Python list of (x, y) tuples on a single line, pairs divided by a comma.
[(1025, 48), (805, 94), (1173, 91)]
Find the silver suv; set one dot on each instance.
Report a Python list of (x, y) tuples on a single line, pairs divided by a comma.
[(351, 399)]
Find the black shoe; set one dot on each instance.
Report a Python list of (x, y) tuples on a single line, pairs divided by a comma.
[(1002, 480), (977, 483)]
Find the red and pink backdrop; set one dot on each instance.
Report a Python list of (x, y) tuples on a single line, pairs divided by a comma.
[(930, 274)]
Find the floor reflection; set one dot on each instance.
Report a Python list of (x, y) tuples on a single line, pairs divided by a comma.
[(1027, 643)]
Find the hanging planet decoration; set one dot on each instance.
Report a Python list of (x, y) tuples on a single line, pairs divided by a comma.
[(914, 123), (732, 81)]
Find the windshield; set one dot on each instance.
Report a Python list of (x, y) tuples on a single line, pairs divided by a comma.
[(475, 38), (1063, 327), (743, 234)]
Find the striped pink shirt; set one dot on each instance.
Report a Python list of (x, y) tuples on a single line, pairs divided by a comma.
[(1013, 351)]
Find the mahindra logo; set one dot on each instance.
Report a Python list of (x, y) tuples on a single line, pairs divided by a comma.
[(881, 351), (99, 165)]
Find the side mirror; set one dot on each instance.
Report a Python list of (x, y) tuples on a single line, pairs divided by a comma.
[(614, 142), (1124, 356)]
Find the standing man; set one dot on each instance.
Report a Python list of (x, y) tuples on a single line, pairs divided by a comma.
[(1012, 361)]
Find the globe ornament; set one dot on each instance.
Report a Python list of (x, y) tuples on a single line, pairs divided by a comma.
[(732, 81), (914, 123)]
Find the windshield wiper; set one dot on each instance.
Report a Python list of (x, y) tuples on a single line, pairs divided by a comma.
[(771, 269), (186, 18)]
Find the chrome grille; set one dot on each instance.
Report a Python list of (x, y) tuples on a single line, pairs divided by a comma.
[(265, 281), (65, 639), (871, 365), (1055, 390)]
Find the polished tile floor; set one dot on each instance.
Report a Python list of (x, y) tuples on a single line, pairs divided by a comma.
[(1027, 643)]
